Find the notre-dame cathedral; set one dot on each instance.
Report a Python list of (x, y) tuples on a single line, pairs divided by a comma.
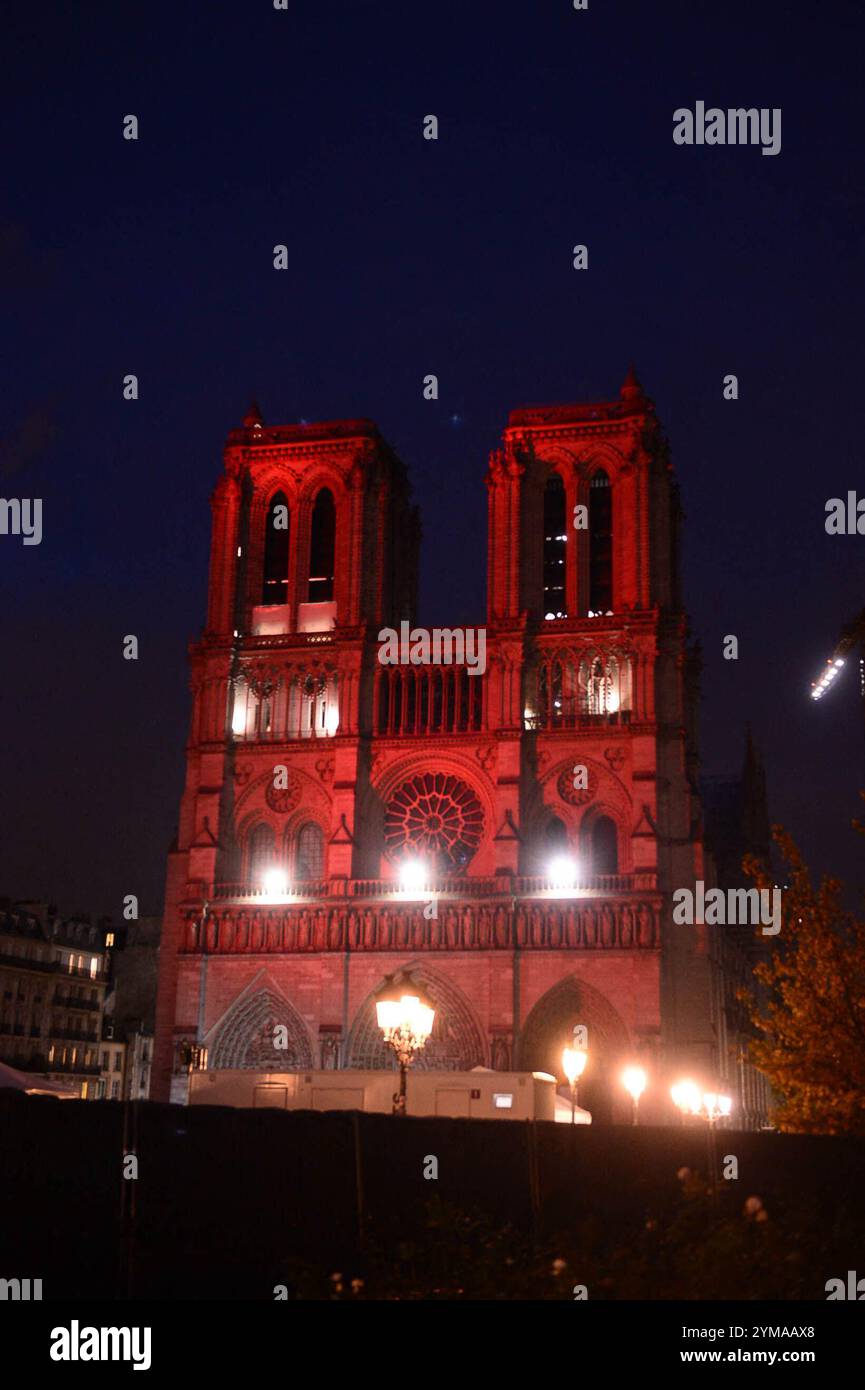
[(315, 771)]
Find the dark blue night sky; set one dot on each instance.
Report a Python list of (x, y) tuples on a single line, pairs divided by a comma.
[(409, 257)]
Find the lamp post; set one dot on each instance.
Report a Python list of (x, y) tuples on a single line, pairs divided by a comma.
[(634, 1082), (710, 1106), (574, 1061), (406, 1024)]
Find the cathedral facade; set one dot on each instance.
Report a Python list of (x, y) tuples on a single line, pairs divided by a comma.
[(506, 836)]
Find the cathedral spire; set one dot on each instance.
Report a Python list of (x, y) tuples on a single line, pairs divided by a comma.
[(253, 416), (631, 390)]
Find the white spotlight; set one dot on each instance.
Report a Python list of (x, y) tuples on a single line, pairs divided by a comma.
[(562, 871), (413, 876), (275, 883)]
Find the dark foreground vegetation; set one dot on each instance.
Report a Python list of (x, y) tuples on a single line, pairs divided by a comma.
[(237, 1204)]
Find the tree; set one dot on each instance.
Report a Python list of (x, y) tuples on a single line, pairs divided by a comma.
[(810, 1021)]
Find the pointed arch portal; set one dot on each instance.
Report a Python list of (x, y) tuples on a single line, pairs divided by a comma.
[(245, 1039)]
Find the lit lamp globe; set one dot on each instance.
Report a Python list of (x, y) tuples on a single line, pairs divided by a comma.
[(686, 1097), (634, 1081), (574, 1061), (715, 1106)]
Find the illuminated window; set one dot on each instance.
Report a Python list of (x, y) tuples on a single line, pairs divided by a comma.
[(241, 707), (322, 548), (260, 853), (600, 544), (109, 940), (605, 684), (313, 707), (555, 541), (276, 534)]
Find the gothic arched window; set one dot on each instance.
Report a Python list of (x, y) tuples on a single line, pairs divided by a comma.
[(556, 836), (605, 685), (555, 541), (309, 856), (599, 685), (322, 548), (600, 543), (274, 587), (260, 853), (605, 846)]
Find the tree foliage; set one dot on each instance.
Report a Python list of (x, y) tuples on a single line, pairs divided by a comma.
[(809, 1016)]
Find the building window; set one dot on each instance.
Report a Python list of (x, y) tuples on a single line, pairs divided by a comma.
[(605, 685), (309, 859), (109, 940), (276, 534), (556, 837), (600, 544), (260, 854), (322, 548), (434, 817), (603, 846), (555, 542), (313, 707), (115, 1090)]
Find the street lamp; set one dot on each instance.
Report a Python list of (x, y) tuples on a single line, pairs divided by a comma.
[(406, 1024), (710, 1106), (634, 1082), (686, 1097), (574, 1061)]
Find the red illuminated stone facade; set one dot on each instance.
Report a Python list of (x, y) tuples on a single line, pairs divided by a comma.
[(309, 759)]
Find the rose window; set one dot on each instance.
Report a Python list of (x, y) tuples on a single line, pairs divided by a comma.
[(436, 817)]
